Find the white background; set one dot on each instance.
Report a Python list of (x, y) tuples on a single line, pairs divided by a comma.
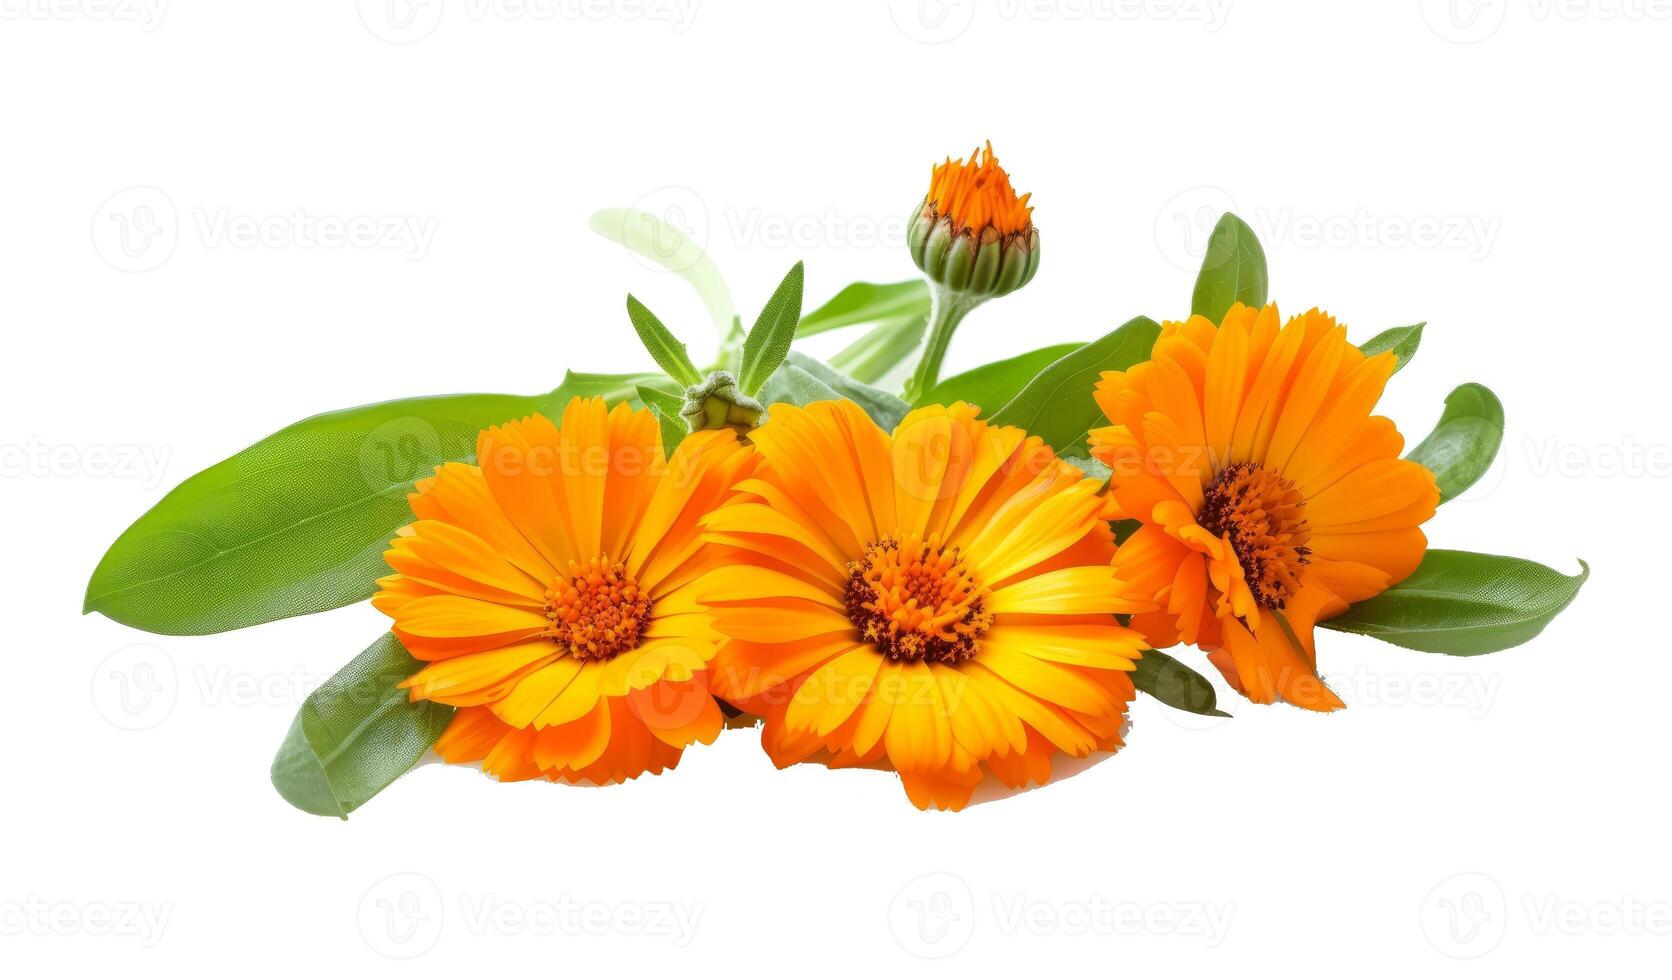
[(1497, 169)]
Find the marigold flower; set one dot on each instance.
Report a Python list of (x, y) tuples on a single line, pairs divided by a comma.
[(938, 601), (1270, 497), (550, 590)]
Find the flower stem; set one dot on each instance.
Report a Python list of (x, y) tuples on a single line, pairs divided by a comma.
[(948, 310)]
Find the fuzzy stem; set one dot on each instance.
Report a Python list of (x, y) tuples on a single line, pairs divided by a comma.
[(948, 310)]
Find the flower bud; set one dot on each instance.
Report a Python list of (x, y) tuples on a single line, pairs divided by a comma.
[(973, 237), (973, 234), (718, 403)]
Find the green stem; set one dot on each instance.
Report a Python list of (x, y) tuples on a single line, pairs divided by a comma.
[(948, 311)]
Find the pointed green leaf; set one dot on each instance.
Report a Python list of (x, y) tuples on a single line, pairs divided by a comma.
[(1465, 604), (768, 342), (648, 235), (1233, 270), (866, 302), (1465, 441), (667, 406), (1057, 405), (666, 349), (661, 399), (674, 429), (1402, 341), (298, 522), (991, 386), (1175, 685), (357, 733)]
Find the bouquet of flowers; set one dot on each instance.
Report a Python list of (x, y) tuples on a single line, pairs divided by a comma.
[(956, 583)]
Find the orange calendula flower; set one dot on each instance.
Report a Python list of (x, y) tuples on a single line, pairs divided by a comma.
[(938, 601), (550, 590), (1270, 497)]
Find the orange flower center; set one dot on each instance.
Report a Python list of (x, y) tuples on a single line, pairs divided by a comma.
[(597, 610), (916, 601), (978, 194), (1265, 518)]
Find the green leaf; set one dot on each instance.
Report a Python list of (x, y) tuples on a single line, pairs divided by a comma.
[(1057, 405), (993, 385), (865, 302), (793, 386), (356, 734), (674, 430), (1233, 270), (880, 349), (1465, 604), (768, 342), (666, 405), (662, 243), (611, 387), (661, 398), (1465, 441), (1402, 341), (1175, 685), (884, 408), (666, 349), (296, 523)]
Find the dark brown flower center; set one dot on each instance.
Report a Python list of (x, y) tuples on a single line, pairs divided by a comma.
[(916, 601), (1264, 517)]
